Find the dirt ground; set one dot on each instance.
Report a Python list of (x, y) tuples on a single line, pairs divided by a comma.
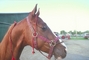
[(77, 50)]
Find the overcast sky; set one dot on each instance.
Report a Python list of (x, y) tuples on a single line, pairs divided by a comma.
[(58, 14)]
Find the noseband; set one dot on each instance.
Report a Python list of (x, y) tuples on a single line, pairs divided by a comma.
[(35, 35)]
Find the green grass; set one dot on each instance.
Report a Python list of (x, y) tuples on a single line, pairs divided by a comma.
[(78, 38)]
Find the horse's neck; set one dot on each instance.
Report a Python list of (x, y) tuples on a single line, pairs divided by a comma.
[(18, 39), (17, 44), (4, 45)]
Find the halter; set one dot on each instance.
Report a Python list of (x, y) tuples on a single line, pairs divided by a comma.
[(11, 44), (35, 35)]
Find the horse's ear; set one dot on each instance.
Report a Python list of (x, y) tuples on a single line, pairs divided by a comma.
[(34, 10), (38, 13)]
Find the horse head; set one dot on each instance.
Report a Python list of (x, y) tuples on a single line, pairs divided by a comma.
[(39, 36)]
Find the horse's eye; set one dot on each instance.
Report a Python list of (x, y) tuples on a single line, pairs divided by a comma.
[(44, 28)]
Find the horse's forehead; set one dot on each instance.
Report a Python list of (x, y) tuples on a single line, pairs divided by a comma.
[(40, 21)]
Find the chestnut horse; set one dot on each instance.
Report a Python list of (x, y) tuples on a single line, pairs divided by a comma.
[(32, 31)]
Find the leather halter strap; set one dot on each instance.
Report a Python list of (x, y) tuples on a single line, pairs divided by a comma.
[(52, 43), (11, 43)]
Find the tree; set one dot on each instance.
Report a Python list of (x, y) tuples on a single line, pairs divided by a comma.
[(79, 32), (86, 31), (63, 32), (70, 32), (74, 32)]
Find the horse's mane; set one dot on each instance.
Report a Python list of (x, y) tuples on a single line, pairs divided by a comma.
[(7, 35)]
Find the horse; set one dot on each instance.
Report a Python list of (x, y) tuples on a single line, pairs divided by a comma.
[(32, 31)]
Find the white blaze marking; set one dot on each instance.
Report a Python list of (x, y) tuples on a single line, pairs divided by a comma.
[(63, 44)]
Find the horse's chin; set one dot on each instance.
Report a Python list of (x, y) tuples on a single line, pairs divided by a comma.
[(59, 58)]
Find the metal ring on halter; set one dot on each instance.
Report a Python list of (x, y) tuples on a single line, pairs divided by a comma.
[(52, 43), (35, 35)]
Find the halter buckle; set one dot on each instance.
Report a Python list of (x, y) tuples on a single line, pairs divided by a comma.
[(52, 43)]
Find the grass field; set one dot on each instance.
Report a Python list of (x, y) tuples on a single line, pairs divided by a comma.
[(78, 38)]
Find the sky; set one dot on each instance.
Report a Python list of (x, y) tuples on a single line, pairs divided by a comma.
[(68, 15)]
